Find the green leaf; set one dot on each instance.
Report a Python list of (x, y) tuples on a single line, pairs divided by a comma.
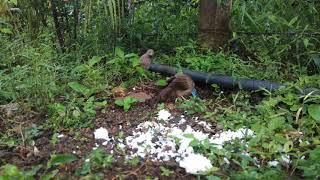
[(100, 104), (288, 146), (76, 113), (306, 42), (58, 108), (119, 102), (316, 60), (84, 170), (314, 111), (161, 82), (276, 123), (211, 177), (15, 2), (80, 68), (6, 30), (94, 60), (127, 101), (165, 171), (131, 55), (10, 170), (50, 175), (119, 52), (293, 20), (58, 159), (79, 88)]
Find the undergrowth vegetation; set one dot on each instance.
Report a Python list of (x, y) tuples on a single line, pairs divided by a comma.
[(64, 83)]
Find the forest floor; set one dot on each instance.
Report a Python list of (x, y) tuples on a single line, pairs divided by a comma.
[(118, 126)]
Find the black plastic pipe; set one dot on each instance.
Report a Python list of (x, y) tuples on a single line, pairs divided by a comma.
[(221, 80)]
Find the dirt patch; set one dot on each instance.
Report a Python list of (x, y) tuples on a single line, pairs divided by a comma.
[(81, 142)]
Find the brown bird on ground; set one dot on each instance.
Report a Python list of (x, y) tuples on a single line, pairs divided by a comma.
[(180, 85), (146, 59)]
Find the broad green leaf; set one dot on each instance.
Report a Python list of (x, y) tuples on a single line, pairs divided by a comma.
[(127, 102), (58, 159), (79, 88), (288, 146), (94, 60), (131, 55), (161, 82), (135, 62), (314, 111), (119, 102), (119, 52), (100, 104)]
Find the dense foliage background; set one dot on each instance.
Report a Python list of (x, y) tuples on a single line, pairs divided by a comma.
[(60, 59)]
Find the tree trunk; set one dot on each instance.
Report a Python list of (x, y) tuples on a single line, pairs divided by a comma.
[(58, 25), (214, 28)]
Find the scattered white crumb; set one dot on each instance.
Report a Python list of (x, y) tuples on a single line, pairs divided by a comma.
[(162, 141), (87, 160), (226, 160), (60, 136), (195, 164), (273, 163), (182, 121), (205, 124), (163, 115), (77, 147), (105, 143), (101, 133), (74, 152), (121, 145), (286, 159), (94, 148), (226, 136)]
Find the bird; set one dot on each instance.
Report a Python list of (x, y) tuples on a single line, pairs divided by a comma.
[(179, 85), (146, 59)]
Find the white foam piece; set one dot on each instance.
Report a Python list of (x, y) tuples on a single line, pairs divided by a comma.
[(163, 115), (273, 163), (195, 164), (101, 133), (285, 159), (167, 141)]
